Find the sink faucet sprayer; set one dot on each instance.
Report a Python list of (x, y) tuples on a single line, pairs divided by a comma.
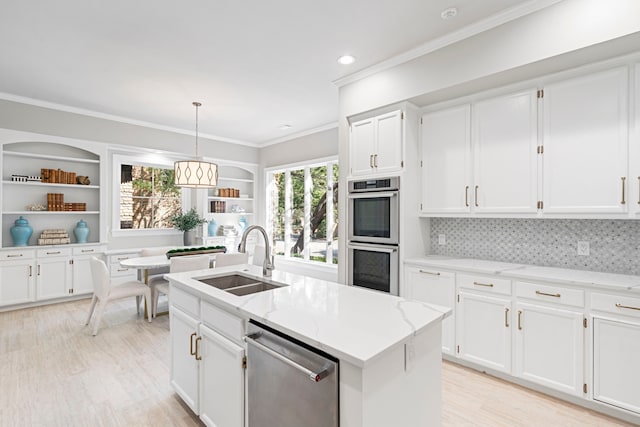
[(267, 265)]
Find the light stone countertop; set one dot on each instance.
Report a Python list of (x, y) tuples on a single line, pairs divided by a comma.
[(596, 279), (353, 324)]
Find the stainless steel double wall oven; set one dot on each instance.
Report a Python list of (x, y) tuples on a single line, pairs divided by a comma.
[(373, 238)]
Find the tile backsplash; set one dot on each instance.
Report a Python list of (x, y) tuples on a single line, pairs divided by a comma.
[(614, 244)]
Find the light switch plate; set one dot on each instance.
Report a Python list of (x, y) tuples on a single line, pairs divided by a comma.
[(442, 239), (583, 248)]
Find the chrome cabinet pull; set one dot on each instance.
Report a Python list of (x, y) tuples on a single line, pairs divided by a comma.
[(466, 195), (38, 269), (375, 160), (371, 161), (197, 353), (87, 250), (519, 320), (622, 178), (639, 190), (53, 253), (489, 285), (429, 272), (313, 376), (14, 256), (30, 271), (548, 295), (627, 306), (506, 317), (476, 196), (191, 350)]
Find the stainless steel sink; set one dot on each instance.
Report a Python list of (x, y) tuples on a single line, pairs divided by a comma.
[(253, 288), (230, 281), (238, 284)]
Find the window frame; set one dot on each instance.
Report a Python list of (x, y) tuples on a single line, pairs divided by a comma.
[(329, 162), (146, 160)]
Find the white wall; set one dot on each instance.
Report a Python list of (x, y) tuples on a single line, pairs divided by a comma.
[(564, 35)]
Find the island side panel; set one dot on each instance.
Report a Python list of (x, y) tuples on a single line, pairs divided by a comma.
[(402, 387)]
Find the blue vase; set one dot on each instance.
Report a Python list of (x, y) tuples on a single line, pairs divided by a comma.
[(21, 232), (212, 228), (242, 224), (81, 231)]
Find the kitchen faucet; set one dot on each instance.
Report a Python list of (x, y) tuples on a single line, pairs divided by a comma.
[(267, 265)]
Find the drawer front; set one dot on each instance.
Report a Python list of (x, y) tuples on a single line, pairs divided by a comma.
[(185, 301), (618, 304), (550, 293), (116, 270), (53, 252), (88, 250), (225, 323), (116, 259), (484, 283), (16, 255)]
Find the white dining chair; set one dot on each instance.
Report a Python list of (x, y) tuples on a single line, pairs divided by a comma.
[(223, 260), (177, 264), (105, 291)]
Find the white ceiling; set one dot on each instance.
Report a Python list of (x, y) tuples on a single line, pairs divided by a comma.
[(254, 64)]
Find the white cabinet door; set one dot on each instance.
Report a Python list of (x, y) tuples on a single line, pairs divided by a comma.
[(585, 144), (484, 330), (221, 380), (184, 366), (446, 161), (362, 146), (616, 371), (505, 141), (53, 277), (435, 287), (549, 347), (388, 154), (82, 279), (16, 282)]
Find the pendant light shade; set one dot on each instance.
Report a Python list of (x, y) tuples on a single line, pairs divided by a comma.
[(195, 173)]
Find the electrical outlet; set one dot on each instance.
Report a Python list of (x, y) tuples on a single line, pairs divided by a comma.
[(442, 239), (583, 248)]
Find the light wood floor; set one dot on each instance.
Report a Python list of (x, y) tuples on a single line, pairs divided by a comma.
[(53, 372)]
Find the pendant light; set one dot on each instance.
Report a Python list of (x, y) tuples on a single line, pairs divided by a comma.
[(195, 173)]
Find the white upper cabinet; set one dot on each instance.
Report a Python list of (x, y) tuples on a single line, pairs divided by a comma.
[(585, 137), (376, 145), (505, 140), (446, 161)]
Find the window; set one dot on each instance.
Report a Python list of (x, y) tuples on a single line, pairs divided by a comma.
[(147, 196), (302, 211)]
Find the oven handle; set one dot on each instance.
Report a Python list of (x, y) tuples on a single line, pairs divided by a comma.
[(374, 248), (373, 195)]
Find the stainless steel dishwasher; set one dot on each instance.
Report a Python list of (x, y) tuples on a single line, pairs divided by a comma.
[(289, 384)]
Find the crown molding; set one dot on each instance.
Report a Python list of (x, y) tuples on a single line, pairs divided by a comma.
[(300, 134), (448, 39), (114, 118)]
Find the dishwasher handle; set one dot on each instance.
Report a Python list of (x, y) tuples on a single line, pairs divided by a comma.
[(313, 376)]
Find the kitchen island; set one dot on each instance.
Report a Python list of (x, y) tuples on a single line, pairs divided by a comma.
[(389, 348)]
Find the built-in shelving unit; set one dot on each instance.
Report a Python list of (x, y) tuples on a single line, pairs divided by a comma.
[(28, 157)]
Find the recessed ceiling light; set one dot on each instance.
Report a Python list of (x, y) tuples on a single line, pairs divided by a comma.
[(449, 13), (285, 127), (346, 60)]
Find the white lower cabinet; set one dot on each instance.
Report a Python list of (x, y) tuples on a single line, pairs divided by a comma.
[(221, 380), (207, 369), (435, 287), (549, 347), (483, 330), (184, 366), (82, 280), (16, 282), (53, 277), (616, 351)]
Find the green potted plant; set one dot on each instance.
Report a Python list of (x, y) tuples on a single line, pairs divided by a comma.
[(187, 222)]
